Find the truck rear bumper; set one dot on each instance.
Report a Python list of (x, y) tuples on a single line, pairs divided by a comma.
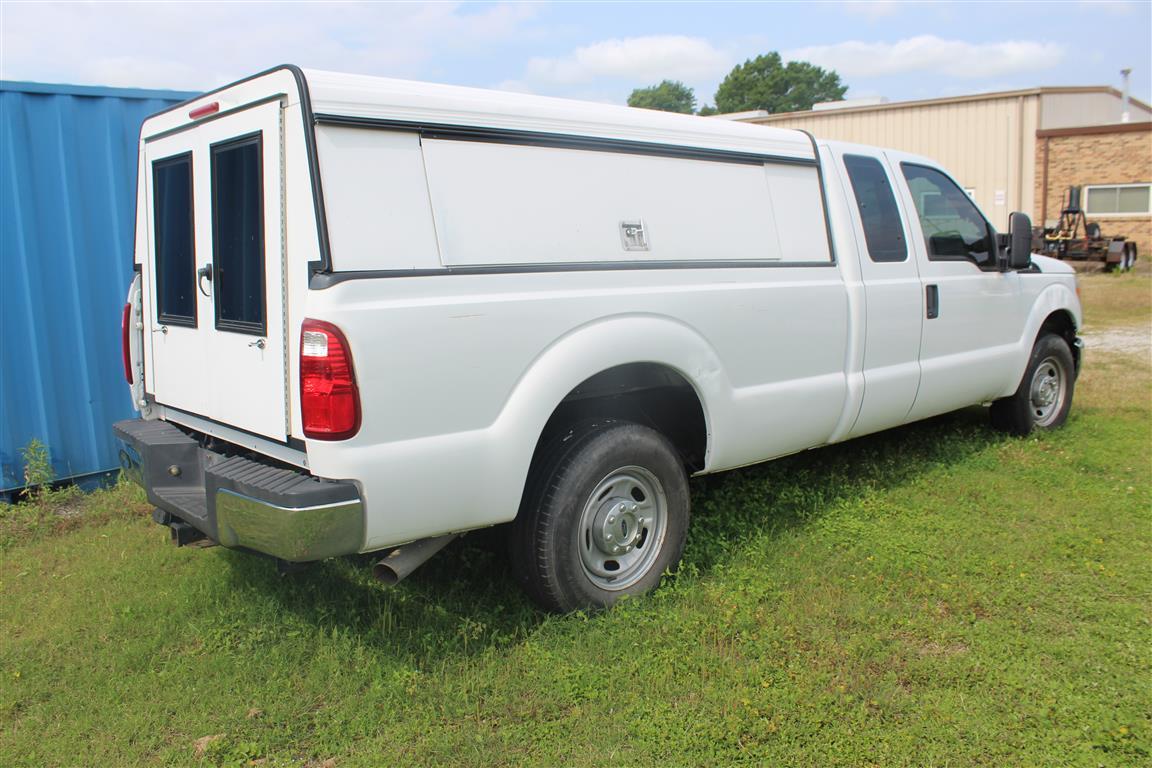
[(242, 502)]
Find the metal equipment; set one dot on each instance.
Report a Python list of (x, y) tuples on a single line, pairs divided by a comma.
[(1076, 239)]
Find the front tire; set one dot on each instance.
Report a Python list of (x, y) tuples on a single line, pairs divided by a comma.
[(1044, 397), (604, 516)]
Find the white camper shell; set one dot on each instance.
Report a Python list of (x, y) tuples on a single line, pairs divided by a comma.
[(371, 313)]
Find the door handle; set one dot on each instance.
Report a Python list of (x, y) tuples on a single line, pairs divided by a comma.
[(932, 296), (204, 272)]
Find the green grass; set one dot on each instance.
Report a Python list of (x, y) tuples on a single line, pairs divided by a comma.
[(937, 595), (1115, 299)]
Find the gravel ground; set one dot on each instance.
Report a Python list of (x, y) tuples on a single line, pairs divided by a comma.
[(1134, 340)]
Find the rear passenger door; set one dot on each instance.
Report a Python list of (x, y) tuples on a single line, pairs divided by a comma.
[(972, 315), (892, 294)]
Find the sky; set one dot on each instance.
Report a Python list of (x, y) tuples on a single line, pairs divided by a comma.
[(596, 51)]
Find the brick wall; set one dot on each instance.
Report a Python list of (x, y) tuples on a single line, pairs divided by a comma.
[(1109, 154)]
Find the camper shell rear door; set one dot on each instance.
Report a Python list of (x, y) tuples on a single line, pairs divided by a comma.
[(214, 274)]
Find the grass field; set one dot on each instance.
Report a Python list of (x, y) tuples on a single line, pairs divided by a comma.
[(937, 595)]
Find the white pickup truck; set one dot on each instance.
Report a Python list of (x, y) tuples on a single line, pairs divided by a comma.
[(370, 315)]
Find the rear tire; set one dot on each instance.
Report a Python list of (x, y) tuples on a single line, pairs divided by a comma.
[(604, 516), (1044, 397)]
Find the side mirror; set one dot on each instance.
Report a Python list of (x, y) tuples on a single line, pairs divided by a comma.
[(1020, 247)]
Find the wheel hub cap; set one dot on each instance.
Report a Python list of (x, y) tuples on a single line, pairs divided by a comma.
[(617, 526), (622, 528), (1047, 391)]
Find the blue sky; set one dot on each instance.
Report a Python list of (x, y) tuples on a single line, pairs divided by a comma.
[(595, 51)]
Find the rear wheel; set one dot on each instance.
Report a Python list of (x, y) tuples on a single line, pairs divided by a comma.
[(605, 515), (1044, 396)]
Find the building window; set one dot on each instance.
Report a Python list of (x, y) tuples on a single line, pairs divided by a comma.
[(1118, 200)]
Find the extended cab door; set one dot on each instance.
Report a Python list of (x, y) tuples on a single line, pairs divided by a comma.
[(891, 277), (972, 314), (214, 280)]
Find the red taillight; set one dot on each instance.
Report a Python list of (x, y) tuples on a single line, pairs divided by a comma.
[(125, 346), (210, 108), (329, 400)]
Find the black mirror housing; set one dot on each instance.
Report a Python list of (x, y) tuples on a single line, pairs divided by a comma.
[(1020, 247)]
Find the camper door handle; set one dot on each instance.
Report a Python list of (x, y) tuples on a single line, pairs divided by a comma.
[(204, 272)]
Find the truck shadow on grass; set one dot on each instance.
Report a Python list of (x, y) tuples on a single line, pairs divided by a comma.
[(465, 599)]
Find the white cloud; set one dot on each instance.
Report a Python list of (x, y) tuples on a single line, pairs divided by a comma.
[(640, 59), (201, 45), (931, 54)]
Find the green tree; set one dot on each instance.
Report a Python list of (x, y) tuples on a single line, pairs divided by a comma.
[(765, 82), (669, 96)]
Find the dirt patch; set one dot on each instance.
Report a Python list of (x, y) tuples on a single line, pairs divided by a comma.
[(1132, 340)]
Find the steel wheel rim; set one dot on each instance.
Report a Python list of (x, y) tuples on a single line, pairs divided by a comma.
[(622, 528), (1047, 391)]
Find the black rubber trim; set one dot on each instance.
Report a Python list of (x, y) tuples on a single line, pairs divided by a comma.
[(559, 140), (322, 280), (823, 194)]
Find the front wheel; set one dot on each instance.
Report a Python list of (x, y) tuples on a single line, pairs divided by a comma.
[(604, 516), (1044, 397)]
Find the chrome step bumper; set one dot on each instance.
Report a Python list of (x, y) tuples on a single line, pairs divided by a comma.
[(241, 502)]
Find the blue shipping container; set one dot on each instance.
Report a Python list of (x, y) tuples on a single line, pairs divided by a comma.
[(67, 216)]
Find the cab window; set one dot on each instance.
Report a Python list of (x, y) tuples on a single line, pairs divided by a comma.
[(954, 229), (878, 212)]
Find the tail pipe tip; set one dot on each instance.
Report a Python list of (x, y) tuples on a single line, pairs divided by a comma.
[(400, 562)]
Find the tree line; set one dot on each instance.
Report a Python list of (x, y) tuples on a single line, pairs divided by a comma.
[(764, 82)]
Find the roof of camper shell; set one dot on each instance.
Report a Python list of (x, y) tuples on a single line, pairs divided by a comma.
[(407, 103), (383, 98)]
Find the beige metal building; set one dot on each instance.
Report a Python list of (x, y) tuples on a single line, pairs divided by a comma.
[(987, 141)]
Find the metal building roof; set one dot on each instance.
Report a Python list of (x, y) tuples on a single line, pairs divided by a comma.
[(67, 208)]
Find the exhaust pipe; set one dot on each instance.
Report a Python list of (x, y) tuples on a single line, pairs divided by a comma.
[(403, 560)]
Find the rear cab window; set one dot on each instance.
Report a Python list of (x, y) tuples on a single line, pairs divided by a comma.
[(883, 229), (954, 229)]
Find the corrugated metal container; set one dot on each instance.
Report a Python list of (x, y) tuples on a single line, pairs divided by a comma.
[(67, 217)]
